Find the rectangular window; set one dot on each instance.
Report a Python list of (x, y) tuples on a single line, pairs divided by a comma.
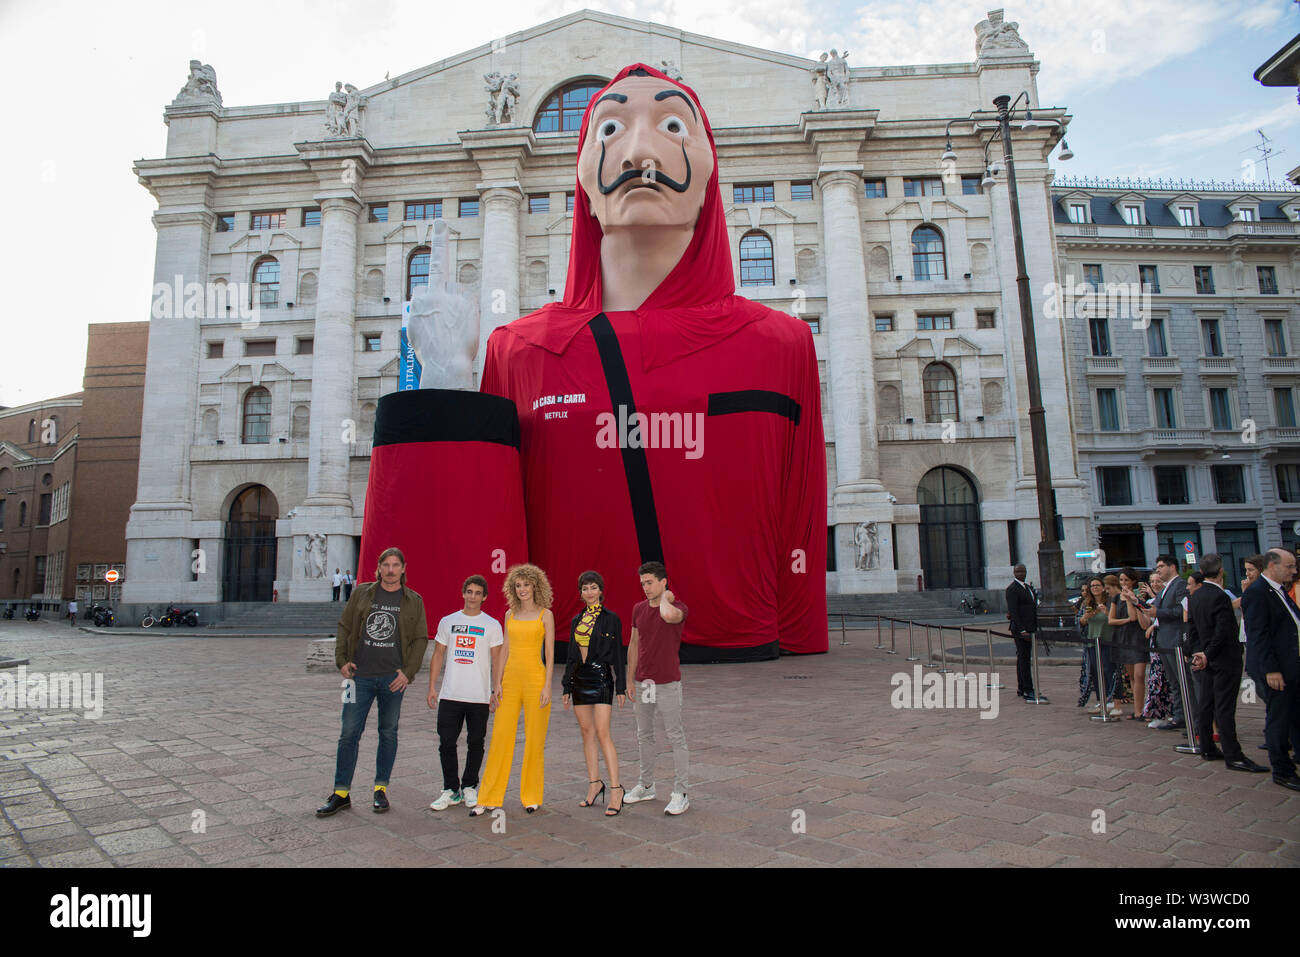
[(1108, 410), (371, 341), (304, 345), (923, 186), (970, 185), (1267, 280), (1078, 213), (259, 347), (1114, 485), (1246, 215), (43, 509), (1166, 411), (569, 200), (1284, 408), (885, 323), (225, 222), (1220, 409), (986, 320), (2, 514), (1171, 484), (423, 209), (378, 213), (1156, 343), (1211, 338), (1204, 280), (875, 188), (800, 192), (1229, 486), (311, 216), (1099, 336), (1013, 544), (1274, 337), (1288, 482), (1133, 215), (38, 575), (216, 350), (1187, 215), (468, 208), (539, 203), (1092, 275), (934, 321), (1149, 277), (814, 323), (830, 548), (268, 219), (752, 193)]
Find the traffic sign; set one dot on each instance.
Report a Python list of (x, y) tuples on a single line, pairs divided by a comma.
[(111, 575), (1191, 558), (1189, 546), (1296, 528), (1091, 554)]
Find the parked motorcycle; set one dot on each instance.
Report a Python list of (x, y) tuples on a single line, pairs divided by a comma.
[(33, 613), (175, 615), (9, 613), (103, 615)]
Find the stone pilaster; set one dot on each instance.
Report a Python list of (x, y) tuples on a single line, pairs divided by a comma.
[(158, 553)]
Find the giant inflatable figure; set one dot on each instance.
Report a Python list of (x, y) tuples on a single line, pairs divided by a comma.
[(659, 415)]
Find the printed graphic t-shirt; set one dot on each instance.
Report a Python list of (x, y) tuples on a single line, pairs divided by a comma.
[(379, 652), (657, 643), (469, 640)]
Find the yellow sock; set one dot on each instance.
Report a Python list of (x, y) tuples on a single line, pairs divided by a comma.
[(382, 787), (341, 794)]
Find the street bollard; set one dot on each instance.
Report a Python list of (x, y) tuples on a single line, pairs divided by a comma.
[(1038, 688), (1189, 706), (929, 650), (911, 648), (1104, 717), (893, 645), (844, 639), (880, 642), (992, 681), (961, 633), (943, 654)]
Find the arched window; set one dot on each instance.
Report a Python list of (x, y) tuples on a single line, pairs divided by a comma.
[(31, 431), (563, 109), (22, 514), (18, 575), (927, 254), (939, 383), (756, 267), (257, 416), (417, 270), (266, 283)]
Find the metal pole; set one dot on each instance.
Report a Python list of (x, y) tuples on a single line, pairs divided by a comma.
[(961, 633), (993, 680), (844, 640), (929, 651), (943, 654), (1101, 690), (893, 644), (1038, 688), (911, 649), (880, 643), (1189, 707)]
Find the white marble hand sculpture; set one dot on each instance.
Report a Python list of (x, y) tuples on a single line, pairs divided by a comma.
[(443, 324)]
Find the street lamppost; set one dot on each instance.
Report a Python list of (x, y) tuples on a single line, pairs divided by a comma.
[(1055, 614)]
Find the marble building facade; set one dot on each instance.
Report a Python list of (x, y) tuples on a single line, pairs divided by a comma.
[(256, 431)]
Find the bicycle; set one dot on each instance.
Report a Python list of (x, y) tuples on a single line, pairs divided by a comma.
[(148, 621), (972, 604)]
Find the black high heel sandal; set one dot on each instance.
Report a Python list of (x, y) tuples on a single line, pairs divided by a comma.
[(599, 794), (611, 811)]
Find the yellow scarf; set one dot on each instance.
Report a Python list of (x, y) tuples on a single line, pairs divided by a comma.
[(582, 634)]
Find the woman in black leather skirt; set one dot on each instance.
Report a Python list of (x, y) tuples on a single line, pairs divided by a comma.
[(596, 673)]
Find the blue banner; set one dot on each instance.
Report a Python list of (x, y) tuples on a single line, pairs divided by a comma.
[(409, 377)]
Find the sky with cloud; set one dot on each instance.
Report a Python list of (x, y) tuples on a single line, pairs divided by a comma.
[(1157, 88)]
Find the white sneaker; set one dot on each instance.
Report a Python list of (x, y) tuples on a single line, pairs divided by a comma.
[(1095, 709), (1115, 712), (639, 793), (445, 800), (1156, 723), (677, 804), (470, 796)]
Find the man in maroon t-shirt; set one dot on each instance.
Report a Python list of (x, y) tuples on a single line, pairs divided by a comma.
[(653, 663)]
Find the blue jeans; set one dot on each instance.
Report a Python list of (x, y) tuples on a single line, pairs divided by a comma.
[(354, 722)]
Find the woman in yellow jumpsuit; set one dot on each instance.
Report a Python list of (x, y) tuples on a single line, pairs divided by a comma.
[(526, 684)]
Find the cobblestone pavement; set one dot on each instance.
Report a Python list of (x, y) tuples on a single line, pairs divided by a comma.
[(796, 762)]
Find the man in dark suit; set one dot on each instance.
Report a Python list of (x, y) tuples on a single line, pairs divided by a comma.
[(1216, 664), (1022, 611), (1273, 659), (1169, 637)]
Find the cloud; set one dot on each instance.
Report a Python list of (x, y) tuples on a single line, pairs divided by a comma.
[(1259, 16), (1282, 115)]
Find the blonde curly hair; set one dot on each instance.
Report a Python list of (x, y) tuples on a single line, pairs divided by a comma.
[(533, 575)]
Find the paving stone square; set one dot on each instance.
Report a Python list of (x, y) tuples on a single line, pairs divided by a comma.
[(213, 751)]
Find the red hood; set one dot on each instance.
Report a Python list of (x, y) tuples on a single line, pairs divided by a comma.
[(695, 304)]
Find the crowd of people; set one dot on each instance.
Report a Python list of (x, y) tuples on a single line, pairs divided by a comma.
[(487, 667), (1214, 631)]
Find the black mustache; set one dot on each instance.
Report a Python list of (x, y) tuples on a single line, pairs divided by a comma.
[(657, 175)]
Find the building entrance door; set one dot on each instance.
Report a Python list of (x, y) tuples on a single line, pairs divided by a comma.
[(952, 540), (249, 572)]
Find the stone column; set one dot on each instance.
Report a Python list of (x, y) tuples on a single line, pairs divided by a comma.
[(1150, 543), (499, 280), (157, 531)]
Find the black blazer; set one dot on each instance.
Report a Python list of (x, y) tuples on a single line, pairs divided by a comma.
[(1169, 612), (1212, 627), (1021, 609), (1270, 633), (605, 647)]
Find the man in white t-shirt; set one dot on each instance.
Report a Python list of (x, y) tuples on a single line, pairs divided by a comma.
[(471, 690)]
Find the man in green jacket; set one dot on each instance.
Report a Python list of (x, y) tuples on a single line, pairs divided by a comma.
[(379, 648)]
